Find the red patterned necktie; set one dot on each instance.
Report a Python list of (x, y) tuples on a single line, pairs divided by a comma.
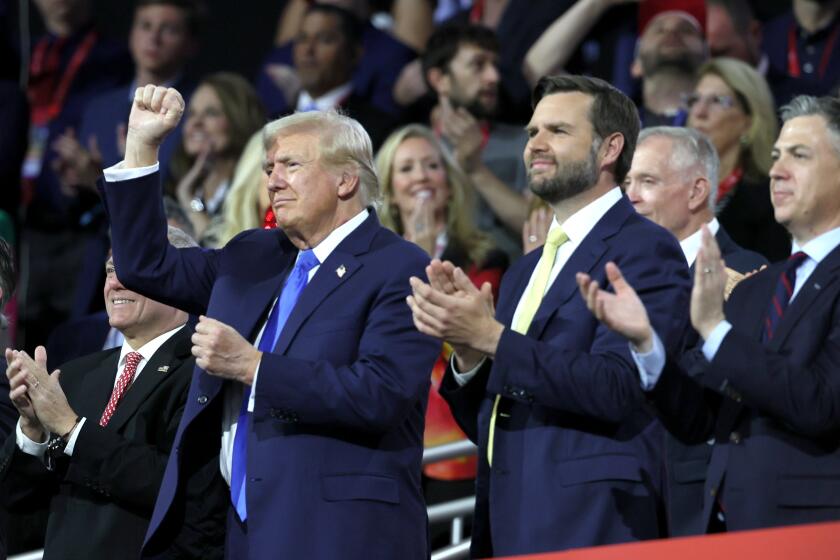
[(132, 360)]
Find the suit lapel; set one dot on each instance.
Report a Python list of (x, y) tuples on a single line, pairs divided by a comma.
[(97, 387), (822, 277), (168, 357), (584, 259), (337, 269), (507, 305)]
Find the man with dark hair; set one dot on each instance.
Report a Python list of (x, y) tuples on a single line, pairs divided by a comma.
[(93, 446), (326, 51), (569, 455), (460, 65), (765, 384), (732, 30)]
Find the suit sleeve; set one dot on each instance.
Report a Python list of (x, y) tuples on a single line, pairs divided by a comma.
[(389, 376), (600, 381), (144, 259), (465, 401), (28, 485)]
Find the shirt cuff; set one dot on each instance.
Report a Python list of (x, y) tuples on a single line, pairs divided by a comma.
[(71, 439), (27, 445), (463, 378), (712, 344), (118, 172), (650, 364), (253, 388)]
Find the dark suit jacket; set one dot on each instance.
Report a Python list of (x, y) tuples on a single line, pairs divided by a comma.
[(748, 216), (686, 462), (773, 410), (577, 458), (8, 417), (101, 498), (335, 443)]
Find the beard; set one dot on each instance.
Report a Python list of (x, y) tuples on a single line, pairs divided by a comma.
[(685, 62), (474, 106), (571, 179)]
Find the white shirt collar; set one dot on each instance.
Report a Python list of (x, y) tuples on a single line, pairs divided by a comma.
[(578, 225), (147, 350), (819, 247), (691, 244), (327, 101), (336, 236)]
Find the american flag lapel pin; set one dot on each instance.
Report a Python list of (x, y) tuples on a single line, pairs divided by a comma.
[(340, 271), (163, 369)]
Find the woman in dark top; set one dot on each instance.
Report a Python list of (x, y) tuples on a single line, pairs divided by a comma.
[(732, 104)]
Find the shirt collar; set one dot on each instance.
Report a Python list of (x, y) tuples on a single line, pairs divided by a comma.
[(691, 244), (336, 236), (578, 225), (329, 100), (147, 350), (819, 247)]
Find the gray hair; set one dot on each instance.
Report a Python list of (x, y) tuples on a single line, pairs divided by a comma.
[(343, 144), (179, 239), (690, 149), (826, 107), (7, 273)]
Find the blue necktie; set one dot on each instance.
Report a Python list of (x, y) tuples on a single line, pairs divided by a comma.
[(292, 289), (781, 297)]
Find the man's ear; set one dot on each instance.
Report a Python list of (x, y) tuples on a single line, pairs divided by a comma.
[(611, 149), (698, 197), (439, 80), (348, 185)]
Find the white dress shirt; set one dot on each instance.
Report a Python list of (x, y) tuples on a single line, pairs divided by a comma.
[(651, 364), (146, 351), (691, 244), (577, 227), (329, 100)]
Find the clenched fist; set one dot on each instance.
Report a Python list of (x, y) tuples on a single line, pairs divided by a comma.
[(155, 112)]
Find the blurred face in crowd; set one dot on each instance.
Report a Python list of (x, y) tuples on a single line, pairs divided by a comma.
[(419, 174), (472, 80), (73, 12), (304, 193), (136, 316), (671, 42), (659, 189), (206, 126), (716, 111), (160, 40), (805, 178), (725, 40), (322, 55), (561, 153)]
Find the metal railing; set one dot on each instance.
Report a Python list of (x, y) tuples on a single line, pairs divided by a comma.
[(454, 511)]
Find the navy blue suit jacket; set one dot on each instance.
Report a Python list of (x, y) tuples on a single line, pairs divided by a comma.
[(336, 439), (774, 410), (687, 462), (577, 458)]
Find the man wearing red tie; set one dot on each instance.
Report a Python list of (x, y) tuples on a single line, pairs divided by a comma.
[(768, 373), (92, 444)]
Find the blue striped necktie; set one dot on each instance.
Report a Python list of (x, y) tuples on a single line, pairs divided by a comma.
[(292, 289), (782, 294)]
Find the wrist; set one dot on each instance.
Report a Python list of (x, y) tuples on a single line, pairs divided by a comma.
[(705, 328), (643, 344), (33, 431), (489, 341), (66, 426), (139, 153)]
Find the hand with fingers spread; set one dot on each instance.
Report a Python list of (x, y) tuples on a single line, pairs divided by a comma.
[(76, 165), (621, 310), (710, 279), (463, 131), (30, 381), (221, 351), (463, 318)]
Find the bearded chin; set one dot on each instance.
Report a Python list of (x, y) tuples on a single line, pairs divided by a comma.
[(570, 180)]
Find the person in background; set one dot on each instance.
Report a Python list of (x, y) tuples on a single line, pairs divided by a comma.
[(732, 30), (428, 200), (223, 113), (8, 414), (732, 105)]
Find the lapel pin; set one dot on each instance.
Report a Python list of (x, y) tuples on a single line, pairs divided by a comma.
[(340, 271), (163, 369), (817, 285)]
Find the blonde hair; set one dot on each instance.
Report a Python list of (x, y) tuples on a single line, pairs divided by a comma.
[(343, 143), (242, 204), (460, 213), (753, 92)]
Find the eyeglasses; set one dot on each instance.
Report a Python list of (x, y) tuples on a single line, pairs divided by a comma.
[(712, 100)]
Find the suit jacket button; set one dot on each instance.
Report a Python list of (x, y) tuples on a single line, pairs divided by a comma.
[(202, 399), (713, 492), (735, 438)]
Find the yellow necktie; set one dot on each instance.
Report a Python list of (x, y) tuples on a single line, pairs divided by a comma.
[(556, 237)]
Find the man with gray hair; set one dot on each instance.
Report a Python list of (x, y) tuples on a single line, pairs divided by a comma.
[(672, 181), (765, 384), (309, 370)]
